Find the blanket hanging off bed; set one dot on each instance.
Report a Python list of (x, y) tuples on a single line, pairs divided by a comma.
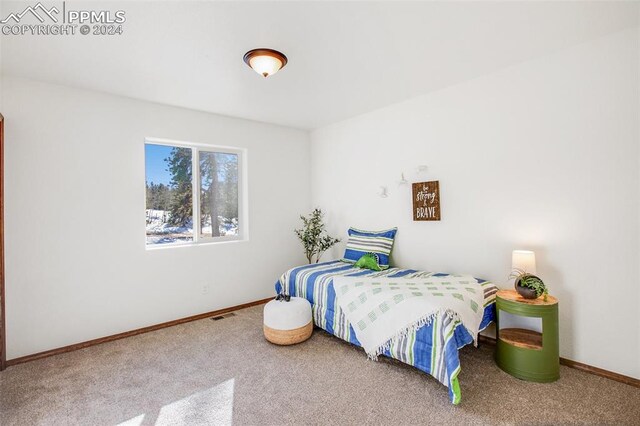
[(382, 310)]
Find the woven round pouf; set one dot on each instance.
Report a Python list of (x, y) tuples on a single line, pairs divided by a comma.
[(288, 323)]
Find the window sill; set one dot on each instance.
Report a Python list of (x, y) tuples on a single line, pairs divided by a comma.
[(154, 247)]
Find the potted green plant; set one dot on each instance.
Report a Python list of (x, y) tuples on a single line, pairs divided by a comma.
[(528, 285), (313, 236)]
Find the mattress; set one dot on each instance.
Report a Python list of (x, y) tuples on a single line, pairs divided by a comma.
[(432, 348)]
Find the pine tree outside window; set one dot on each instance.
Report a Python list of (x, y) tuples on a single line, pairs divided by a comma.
[(189, 184)]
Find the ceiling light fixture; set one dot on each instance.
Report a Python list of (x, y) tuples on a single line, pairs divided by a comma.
[(265, 62)]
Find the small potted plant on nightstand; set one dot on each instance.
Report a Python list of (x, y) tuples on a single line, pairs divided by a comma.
[(528, 285)]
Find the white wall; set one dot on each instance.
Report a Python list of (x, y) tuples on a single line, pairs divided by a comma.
[(77, 267), (542, 155)]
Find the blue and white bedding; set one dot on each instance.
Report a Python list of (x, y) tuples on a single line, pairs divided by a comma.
[(432, 348)]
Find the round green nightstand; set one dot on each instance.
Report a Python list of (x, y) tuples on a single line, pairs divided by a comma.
[(528, 354)]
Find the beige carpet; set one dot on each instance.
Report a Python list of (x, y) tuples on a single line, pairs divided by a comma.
[(224, 372)]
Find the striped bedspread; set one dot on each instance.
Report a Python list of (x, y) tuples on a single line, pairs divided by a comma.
[(432, 348)]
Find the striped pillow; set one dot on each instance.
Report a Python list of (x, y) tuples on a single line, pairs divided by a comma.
[(363, 242)]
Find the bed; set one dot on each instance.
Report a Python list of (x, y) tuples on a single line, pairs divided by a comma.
[(432, 348)]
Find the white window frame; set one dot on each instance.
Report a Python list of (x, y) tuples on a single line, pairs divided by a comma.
[(196, 148)]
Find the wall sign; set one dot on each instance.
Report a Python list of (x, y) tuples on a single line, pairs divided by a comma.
[(426, 200)]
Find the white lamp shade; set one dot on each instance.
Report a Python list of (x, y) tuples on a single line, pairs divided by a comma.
[(265, 65), (524, 260)]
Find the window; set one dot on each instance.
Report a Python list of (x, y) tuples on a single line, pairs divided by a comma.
[(171, 207)]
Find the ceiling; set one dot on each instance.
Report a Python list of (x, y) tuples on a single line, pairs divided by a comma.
[(345, 58)]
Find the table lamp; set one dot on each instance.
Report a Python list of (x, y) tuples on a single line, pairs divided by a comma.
[(524, 260)]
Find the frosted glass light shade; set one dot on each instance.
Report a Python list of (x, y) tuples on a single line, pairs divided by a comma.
[(265, 62), (524, 260), (265, 65)]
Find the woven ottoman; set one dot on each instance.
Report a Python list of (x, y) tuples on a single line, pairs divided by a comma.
[(288, 323)]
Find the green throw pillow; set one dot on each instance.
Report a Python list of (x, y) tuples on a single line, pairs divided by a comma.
[(368, 261)]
